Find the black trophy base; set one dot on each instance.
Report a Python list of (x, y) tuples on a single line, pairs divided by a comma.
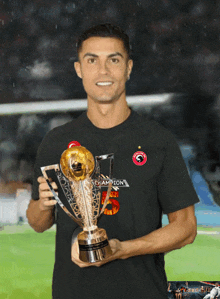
[(93, 245)]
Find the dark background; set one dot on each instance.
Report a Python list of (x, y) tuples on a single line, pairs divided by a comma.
[(175, 45)]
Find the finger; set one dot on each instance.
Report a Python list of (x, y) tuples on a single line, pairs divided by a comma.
[(49, 203), (75, 250), (44, 186), (46, 194), (115, 245), (75, 256), (82, 264), (77, 261), (54, 185), (41, 179)]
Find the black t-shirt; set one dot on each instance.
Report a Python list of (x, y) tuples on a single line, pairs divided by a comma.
[(150, 179)]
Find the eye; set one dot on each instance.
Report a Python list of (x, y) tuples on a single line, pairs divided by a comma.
[(91, 60), (115, 60)]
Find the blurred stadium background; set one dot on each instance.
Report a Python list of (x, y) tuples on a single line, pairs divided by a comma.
[(175, 80)]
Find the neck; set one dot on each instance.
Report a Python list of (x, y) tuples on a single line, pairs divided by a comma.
[(108, 115)]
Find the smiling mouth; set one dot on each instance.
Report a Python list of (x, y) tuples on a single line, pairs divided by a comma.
[(104, 83)]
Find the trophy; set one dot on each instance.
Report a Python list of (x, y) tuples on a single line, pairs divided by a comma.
[(80, 179)]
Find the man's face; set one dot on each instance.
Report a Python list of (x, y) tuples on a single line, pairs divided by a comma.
[(104, 68)]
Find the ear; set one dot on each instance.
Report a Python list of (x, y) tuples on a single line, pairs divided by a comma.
[(77, 67), (129, 67)]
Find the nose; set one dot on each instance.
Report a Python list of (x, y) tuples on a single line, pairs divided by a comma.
[(103, 68)]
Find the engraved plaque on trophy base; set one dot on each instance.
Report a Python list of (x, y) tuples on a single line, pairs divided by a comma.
[(93, 245)]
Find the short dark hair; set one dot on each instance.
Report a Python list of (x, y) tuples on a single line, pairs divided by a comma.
[(105, 30)]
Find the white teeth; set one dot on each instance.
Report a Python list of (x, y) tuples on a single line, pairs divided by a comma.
[(104, 83)]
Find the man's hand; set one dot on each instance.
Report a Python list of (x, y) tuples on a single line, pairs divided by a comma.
[(45, 195), (116, 247), (40, 213)]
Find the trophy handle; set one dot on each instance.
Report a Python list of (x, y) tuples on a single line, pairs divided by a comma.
[(56, 168), (104, 157), (100, 158)]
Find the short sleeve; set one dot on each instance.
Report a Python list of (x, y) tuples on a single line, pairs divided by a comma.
[(175, 189), (37, 173), (42, 159)]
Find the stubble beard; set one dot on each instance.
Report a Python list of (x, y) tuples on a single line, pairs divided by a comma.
[(107, 98)]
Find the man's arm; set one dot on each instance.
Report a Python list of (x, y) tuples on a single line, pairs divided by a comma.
[(40, 213), (180, 231)]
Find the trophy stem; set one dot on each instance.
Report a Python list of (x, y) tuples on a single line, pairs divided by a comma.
[(88, 222)]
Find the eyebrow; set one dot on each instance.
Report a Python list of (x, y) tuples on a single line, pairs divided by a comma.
[(109, 56)]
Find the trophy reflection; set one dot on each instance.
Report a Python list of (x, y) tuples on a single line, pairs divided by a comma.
[(80, 179)]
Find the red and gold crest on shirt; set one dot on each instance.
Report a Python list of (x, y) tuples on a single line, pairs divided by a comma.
[(139, 158)]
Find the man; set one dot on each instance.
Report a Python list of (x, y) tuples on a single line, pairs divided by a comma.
[(215, 292), (146, 156)]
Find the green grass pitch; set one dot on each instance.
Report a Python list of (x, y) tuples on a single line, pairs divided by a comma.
[(27, 258), (26, 264), (197, 261)]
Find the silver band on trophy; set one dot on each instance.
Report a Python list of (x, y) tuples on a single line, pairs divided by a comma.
[(80, 179)]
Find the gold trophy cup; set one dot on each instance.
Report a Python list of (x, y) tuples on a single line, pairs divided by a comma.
[(83, 194)]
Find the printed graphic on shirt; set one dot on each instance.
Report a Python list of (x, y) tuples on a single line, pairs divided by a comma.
[(116, 183), (113, 205)]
